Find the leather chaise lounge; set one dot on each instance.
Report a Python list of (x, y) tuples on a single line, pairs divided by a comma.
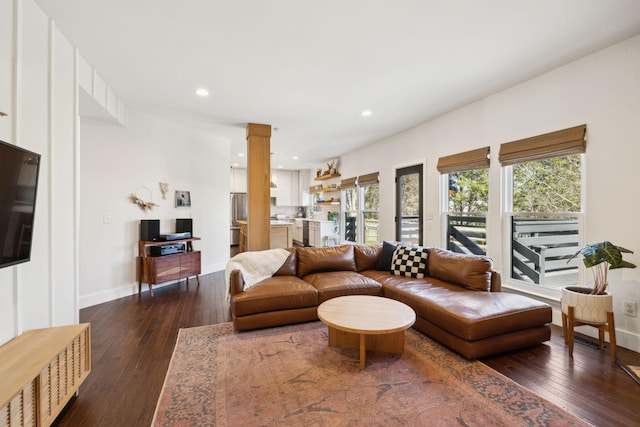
[(458, 302)]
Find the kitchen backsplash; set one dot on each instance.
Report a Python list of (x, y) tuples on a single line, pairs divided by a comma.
[(292, 211), (288, 211)]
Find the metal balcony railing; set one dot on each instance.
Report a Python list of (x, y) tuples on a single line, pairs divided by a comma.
[(467, 234), (540, 247)]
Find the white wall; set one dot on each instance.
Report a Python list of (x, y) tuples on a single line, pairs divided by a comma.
[(77, 259), (601, 90), (37, 80), (118, 161)]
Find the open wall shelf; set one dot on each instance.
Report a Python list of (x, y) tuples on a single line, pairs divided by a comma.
[(324, 190), (326, 176)]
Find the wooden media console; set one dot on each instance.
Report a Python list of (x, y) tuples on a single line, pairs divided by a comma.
[(40, 371)]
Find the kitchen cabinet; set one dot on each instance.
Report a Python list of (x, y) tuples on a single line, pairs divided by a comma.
[(298, 234), (304, 196), (282, 192), (295, 188), (287, 192), (314, 234), (292, 186), (281, 235), (319, 230), (238, 180)]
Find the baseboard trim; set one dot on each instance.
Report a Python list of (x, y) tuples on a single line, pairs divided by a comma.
[(132, 288), (624, 338)]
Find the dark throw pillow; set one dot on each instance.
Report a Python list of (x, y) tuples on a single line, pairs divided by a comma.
[(384, 261)]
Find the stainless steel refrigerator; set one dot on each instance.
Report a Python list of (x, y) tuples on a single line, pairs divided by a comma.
[(238, 213)]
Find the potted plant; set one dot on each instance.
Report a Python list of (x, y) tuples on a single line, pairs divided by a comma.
[(592, 304)]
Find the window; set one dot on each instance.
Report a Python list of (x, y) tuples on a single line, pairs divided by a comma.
[(409, 205), (370, 216), (350, 209), (465, 179), (361, 209), (467, 195), (544, 187)]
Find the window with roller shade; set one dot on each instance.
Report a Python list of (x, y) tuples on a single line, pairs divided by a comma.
[(544, 183), (465, 190)]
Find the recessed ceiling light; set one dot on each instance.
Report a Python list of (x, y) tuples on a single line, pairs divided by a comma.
[(280, 166), (202, 92), (241, 154), (295, 157), (366, 113)]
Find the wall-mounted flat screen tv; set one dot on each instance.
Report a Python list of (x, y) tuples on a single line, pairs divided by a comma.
[(19, 170)]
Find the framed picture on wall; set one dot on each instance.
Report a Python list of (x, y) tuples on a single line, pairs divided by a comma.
[(183, 199)]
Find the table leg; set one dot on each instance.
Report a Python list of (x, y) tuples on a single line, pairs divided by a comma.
[(387, 343)]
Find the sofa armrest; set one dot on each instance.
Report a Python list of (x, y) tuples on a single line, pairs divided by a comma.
[(496, 281), (236, 282)]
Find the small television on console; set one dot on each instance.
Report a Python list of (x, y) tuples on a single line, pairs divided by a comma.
[(19, 170)]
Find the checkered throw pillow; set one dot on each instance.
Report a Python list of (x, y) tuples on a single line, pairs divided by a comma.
[(410, 262)]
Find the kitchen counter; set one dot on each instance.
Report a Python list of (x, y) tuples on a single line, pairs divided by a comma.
[(320, 232), (273, 222), (281, 235), (285, 231)]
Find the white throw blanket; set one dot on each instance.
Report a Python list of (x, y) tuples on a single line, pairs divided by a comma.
[(255, 266)]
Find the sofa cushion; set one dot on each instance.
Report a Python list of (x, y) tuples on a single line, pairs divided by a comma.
[(333, 258), (465, 313), (333, 284), (366, 256), (409, 261), (386, 255), (273, 294), (290, 266), (470, 271)]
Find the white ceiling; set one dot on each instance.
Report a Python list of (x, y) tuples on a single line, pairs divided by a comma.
[(310, 68)]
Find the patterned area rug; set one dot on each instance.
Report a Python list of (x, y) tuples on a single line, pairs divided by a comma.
[(288, 376)]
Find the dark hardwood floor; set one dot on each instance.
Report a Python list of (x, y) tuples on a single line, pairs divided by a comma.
[(133, 339)]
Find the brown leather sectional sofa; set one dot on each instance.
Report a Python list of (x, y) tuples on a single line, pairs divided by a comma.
[(457, 303)]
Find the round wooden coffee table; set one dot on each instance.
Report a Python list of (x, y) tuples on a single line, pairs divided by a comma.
[(366, 322)]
